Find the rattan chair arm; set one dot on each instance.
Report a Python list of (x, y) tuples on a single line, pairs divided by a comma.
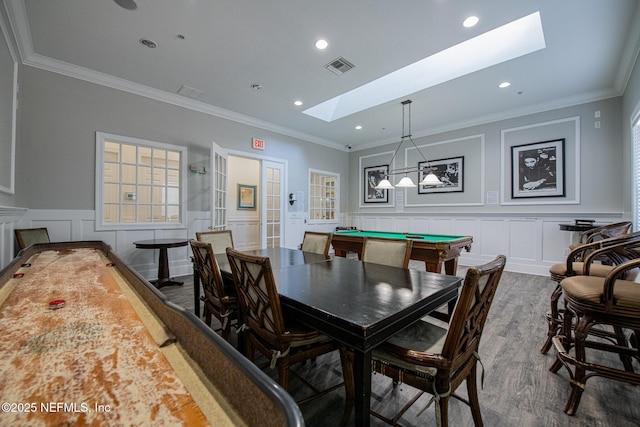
[(418, 357), (618, 253), (617, 273)]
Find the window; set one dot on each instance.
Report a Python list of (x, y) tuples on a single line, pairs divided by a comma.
[(323, 196), (139, 184)]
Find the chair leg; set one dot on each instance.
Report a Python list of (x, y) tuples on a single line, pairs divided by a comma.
[(566, 334), (283, 374), (472, 392), (225, 331), (554, 319), (621, 340), (346, 360), (579, 376), (443, 412)]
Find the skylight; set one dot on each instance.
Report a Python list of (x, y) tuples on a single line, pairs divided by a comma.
[(502, 44)]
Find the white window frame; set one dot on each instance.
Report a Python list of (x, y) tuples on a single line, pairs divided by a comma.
[(336, 202), (101, 139)]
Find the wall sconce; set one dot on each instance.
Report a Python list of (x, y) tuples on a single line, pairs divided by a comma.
[(198, 169), (292, 198)]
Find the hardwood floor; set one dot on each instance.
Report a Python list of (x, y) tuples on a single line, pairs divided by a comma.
[(518, 388)]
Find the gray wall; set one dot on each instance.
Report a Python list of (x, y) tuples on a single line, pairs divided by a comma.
[(600, 159), (60, 115), (630, 109)]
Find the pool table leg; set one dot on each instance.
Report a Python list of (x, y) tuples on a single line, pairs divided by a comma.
[(450, 266)]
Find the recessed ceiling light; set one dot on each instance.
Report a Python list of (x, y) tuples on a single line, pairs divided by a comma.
[(470, 21), (322, 44), (148, 43), (358, 127), (298, 103), (504, 84)]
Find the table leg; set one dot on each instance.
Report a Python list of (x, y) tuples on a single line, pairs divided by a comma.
[(196, 292), (163, 271), (362, 380)]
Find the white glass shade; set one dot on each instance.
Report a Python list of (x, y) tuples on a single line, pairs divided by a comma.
[(405, 183), (384, 185), (430, 179)]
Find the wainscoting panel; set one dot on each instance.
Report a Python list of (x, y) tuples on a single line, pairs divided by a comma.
[(492, 238), (525, 237), (10, 219)]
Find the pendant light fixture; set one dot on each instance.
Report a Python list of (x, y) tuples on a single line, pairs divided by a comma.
[(430, 179)]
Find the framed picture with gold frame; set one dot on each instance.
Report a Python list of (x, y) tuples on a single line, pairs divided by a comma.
[(246, 196)]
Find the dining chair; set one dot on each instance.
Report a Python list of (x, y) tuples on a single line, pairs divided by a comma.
[(392, 252), (612, 301), (219, 300), (281, 339), (29, 236), (316, 242), (220, 240), (437, 360), (574, 265)]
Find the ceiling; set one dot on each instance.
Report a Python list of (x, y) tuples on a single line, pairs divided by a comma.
[(222, 48)]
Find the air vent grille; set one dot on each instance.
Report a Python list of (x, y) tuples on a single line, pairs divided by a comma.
[(190, 92), (339, 66)]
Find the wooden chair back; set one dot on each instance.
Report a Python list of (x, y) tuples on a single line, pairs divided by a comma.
[(469, 317), (316, 242), (29, 236), (220, 240), (258, 297), (392, 252), (216, 298)]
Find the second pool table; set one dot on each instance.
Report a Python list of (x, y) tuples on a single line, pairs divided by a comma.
[(433, 249)]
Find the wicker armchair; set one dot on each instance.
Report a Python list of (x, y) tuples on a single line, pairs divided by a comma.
[(574, 265), (438, 360), (590, 302), (282, 340), (219, 301)]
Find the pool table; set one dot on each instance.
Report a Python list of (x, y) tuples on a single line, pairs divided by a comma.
[(88, 341), (433, 249)]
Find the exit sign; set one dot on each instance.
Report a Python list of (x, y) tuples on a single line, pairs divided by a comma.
[(258, 144)]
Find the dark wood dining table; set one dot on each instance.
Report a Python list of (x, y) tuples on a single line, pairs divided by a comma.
[(360, 304)]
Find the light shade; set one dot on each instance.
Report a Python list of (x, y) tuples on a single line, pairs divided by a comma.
[(406, 183), (384, 185), (430, 179)]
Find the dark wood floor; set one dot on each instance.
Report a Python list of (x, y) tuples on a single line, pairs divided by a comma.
[(518, 388)]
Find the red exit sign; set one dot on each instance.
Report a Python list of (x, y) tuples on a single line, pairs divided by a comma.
[(258, 144)]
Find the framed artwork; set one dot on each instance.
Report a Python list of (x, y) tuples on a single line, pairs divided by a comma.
[(372, 176), (450, 171), (246, 196), (537, 169)]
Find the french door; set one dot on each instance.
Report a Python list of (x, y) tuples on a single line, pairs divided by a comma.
[(219, 185), (273, 182)]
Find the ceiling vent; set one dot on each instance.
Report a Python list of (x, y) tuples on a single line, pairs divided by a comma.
[(190, 92), (339, 66)]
